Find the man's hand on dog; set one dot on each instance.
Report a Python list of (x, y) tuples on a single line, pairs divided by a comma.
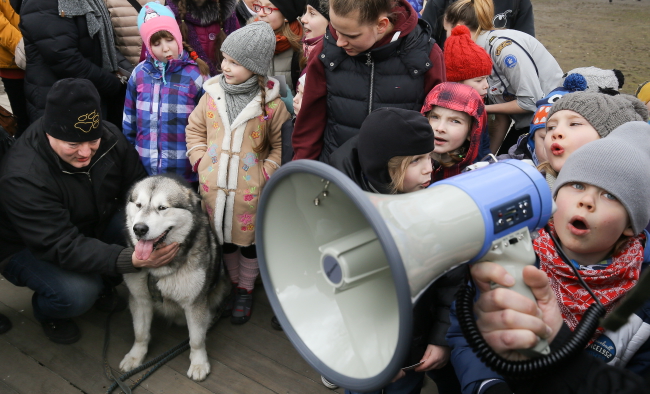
[(159, 257)]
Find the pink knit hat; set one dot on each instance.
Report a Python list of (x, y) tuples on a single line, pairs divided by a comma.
[(155, 17)]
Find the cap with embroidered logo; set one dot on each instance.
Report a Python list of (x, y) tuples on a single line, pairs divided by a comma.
[(72, 111)]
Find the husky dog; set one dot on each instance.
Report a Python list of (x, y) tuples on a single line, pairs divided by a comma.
[(192, 286)]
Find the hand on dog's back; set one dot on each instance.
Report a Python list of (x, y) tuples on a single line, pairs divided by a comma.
[(159, 257)]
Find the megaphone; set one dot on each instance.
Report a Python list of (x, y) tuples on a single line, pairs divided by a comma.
[(342, 268)]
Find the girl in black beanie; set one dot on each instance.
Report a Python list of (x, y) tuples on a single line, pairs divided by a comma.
[(392, 154)]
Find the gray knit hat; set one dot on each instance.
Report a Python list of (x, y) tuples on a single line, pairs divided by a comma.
[(618, 164), (252, 46), (602, 111)]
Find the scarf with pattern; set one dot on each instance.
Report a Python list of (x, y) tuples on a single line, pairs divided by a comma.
[(609, 284)]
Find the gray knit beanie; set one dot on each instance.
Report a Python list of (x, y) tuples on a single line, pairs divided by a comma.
[(618, 164), (252, 46), (602, 111)]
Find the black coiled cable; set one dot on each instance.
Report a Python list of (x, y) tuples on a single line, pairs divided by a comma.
[(534, 367), (528, 368)]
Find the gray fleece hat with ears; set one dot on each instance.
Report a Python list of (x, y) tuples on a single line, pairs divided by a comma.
[(619, 164), (603, 111), (252, 46)]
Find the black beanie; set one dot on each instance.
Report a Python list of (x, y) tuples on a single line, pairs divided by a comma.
[(291, 9), (72, 111), (390, 132), (322, 6)]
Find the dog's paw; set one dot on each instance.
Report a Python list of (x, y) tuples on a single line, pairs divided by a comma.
[(131, 361), (199, 372)]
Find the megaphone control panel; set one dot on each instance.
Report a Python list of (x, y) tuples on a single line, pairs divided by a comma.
[(511, 213)]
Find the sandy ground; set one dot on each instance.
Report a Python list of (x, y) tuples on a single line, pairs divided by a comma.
[(598, 33)]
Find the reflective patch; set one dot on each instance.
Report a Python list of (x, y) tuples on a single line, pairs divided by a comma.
[(510, 61), (501, 46), (602, 348)]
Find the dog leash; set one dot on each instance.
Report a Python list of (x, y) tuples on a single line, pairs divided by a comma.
[(155, 364)]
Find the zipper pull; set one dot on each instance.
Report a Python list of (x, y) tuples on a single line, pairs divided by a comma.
[(369, 59)]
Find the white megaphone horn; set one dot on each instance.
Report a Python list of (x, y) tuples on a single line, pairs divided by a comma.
[(343, 268)]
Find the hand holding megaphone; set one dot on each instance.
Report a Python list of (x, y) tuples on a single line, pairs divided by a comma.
[(509, 321)]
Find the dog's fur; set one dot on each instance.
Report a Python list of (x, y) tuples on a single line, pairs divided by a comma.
[(187, 283)]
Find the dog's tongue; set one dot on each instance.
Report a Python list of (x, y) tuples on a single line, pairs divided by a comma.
[(143, 249)]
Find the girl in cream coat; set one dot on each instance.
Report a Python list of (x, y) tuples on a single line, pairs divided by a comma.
[(234, 143)]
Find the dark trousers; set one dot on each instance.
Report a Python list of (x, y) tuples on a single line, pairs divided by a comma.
[(15, 89), (60, 293)]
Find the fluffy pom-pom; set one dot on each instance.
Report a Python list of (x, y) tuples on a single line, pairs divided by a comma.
[(575, 83), (460, 30)]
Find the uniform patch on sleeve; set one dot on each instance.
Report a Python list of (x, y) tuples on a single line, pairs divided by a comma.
[(510, 61), (501, 46)]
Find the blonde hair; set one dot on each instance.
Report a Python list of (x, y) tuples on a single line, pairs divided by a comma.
[(477, 15), (545, 168), (265, 143), (397, 170)]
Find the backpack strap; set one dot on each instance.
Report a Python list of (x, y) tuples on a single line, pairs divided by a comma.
[(135, 5)]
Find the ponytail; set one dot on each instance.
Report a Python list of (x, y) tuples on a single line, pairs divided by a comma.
[(264, 144), (204, 69), (477, 15)]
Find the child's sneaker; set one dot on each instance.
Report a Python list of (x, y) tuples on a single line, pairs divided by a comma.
[(241, 311), (328, 384)]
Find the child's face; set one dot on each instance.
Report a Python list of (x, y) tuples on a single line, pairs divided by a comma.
[(450, 128), (314, 23), (165, 49), (275, 18), (589, 221), (234, 72), (540, 151), (354, 37), (297, 99), (480, 84), (418, 174), (566, 131)]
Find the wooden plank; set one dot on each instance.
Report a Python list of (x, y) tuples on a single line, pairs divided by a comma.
[(19, 370), (252, 365), (4, 389)]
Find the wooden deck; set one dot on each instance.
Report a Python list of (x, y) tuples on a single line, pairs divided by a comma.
[(252, 358)]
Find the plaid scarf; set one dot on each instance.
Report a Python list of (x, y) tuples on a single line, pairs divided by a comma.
[(463, 98), (609, 284)]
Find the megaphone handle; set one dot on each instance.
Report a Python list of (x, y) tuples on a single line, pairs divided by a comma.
[(514, 252)]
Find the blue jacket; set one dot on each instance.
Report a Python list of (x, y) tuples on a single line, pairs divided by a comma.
[(629, 348), (156, 111)]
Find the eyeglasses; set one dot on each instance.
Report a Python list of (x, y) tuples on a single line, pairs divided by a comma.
[(265, 10)]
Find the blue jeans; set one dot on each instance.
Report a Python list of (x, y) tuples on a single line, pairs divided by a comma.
[(409, 384), (59, 293)]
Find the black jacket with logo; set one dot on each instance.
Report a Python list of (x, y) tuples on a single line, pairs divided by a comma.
[(57, 213)]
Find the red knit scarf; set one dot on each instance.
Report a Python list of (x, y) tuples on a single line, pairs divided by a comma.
[(282, 42), (609, 284)]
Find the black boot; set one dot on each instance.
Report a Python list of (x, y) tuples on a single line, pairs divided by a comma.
[(63, 331)]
